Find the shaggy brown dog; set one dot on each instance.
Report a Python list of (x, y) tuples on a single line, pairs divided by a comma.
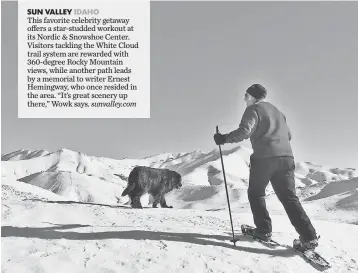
[(156, 182)]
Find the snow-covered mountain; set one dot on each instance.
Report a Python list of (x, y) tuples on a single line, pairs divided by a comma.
[(74, 202), (76, 176)]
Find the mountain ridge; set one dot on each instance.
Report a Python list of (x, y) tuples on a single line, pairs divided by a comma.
[(77, 176)]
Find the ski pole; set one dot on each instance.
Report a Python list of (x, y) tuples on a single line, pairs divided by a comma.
[(227, 194)]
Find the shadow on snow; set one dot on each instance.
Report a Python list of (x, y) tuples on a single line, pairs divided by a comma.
[(55, 232)]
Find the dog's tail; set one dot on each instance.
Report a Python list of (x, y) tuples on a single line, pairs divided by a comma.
[(127, 190), (132, 179)]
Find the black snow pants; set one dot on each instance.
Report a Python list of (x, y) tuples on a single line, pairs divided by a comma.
[(280, 171)]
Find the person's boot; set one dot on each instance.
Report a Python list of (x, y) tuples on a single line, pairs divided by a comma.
[(264, 236), (302, 245)]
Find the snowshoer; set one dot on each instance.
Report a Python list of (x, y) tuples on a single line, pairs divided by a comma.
[(272, 160)]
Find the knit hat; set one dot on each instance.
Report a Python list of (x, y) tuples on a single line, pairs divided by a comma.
[(257, 91)]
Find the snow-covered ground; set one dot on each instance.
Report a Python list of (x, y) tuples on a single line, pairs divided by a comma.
[(63, 212)]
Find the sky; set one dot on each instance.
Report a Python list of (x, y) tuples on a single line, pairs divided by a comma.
[(204, 55)]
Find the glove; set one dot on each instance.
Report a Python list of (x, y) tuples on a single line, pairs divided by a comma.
[(219, 139)]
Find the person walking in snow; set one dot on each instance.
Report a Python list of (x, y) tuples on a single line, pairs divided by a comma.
[(272, 160)]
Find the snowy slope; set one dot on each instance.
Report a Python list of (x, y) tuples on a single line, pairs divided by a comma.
[(63, 207), (63, 236)]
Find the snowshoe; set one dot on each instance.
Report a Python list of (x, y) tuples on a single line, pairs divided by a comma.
[(258, 236), (307, 250)]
